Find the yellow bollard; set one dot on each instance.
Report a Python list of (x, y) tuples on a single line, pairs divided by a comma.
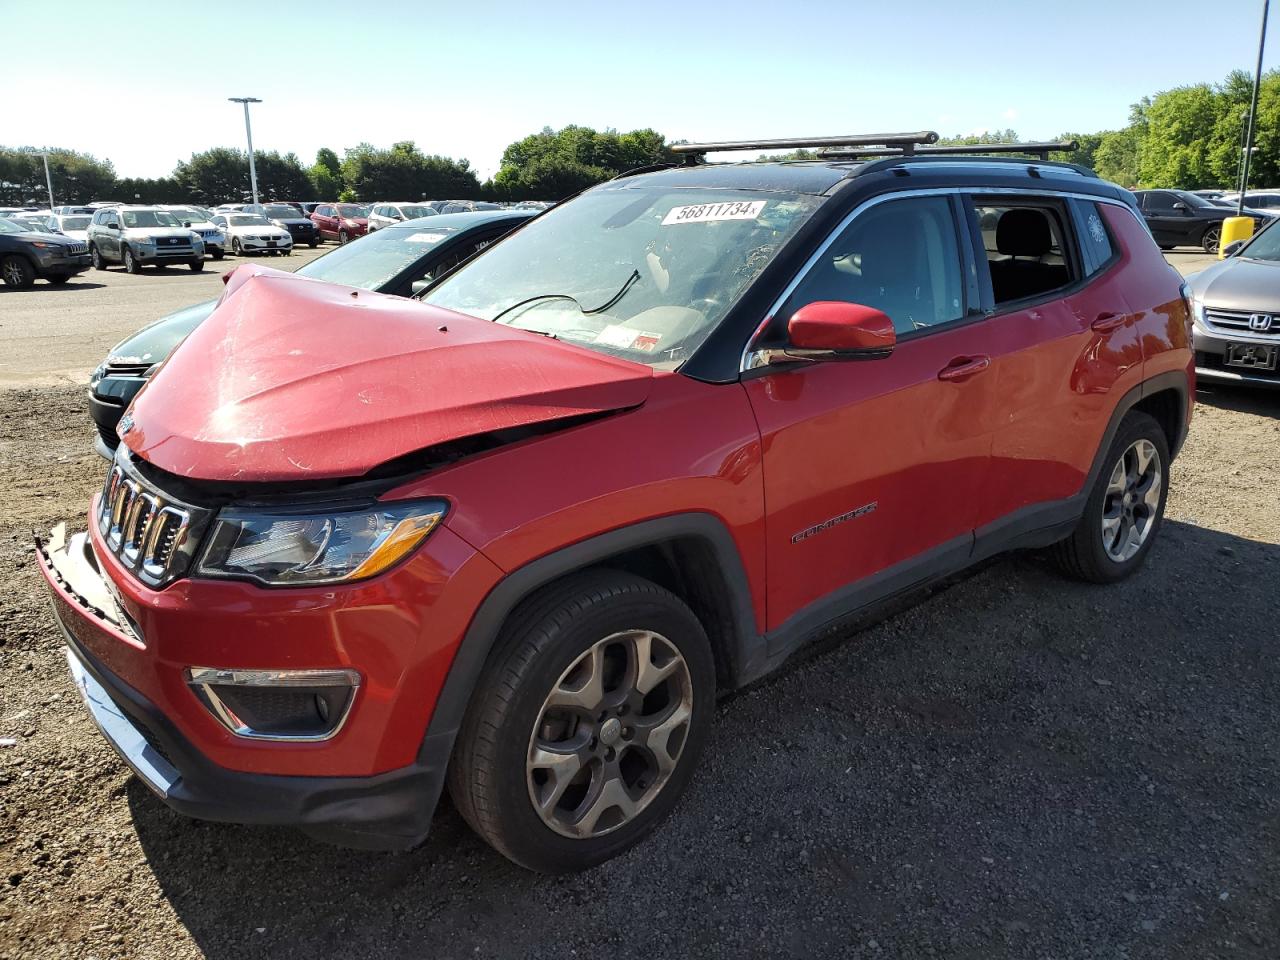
[(1234, 228)]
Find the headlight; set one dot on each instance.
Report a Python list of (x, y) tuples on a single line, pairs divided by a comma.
[(295, 549), (1197, 310), (147, 242)]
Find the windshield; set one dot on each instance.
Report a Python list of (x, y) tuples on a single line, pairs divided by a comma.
[(411, 211), (148, 218), (75, 223), (636, 272), (350, 210), (39, 224), (1265, 246), (248, 220), (9, 225), (376, 259), (281, 211), (188, 213)]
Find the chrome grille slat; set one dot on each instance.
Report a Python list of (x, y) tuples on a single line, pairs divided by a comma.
[(1229, 321), (150, 534)]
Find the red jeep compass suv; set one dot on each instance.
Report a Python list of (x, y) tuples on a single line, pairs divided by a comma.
[(516, 537)]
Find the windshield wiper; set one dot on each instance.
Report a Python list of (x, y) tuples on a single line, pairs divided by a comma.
[(622, 292)]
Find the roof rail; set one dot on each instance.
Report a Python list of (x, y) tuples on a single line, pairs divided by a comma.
[(1037, 149), (897, 144)]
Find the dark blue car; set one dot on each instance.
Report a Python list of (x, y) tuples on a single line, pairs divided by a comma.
[(400, 260)]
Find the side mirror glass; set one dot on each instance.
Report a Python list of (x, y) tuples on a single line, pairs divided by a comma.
[(1179, 205), (1234, 247), (837, 330), (420, 285), (113, 224), (186, 223)]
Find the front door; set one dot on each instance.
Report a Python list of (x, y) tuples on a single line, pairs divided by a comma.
[(875, 467)]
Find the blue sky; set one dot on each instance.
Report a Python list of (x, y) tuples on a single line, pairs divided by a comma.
[(146, 84)]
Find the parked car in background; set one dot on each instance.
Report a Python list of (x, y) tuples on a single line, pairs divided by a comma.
[(386, 214), (74, 225), (74, 210), (40, 222), (516, 538), (290, 218), (400, 260), (142, 236), (252, 233), (307, 207), (27, 255), (1267, 200), (341, 221), (201, 222), (1235, 305), (462, 206), (1180, 218)]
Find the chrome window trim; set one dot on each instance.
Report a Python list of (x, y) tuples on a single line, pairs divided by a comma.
[(750, 360)]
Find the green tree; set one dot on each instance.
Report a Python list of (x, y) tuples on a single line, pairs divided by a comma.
[(404, 172), (219, 175), (1116, 156), (148, 190), (553, 164), (326, 175), (77, 177), (1086, 149), (281, 177)]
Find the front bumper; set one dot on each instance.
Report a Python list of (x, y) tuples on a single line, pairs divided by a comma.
[(1211, 347), (168, 255), (375, 784), (63, 266), (262, 246)]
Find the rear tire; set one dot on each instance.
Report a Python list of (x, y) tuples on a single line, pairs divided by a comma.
[(17, 272), (237, 250), (197, 266), (131, 263), (564, 758), (218, 254), (58, 279), (1125, 507)]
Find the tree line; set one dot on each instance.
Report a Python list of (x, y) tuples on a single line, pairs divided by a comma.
[(1189, 137), (549, 165)]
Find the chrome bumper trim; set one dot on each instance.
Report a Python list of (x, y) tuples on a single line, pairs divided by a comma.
[(154, 770)]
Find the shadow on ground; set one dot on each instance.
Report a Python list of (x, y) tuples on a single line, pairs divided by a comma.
[(1019, 766)]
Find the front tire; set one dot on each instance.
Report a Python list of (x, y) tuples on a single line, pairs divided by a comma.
[(237, 249), (1212, 237), (197, 266), (58, 279), (342, 236), (17, 272), (586, 727), (1125, 508), (218, 254), (131, 263), (95, 257)]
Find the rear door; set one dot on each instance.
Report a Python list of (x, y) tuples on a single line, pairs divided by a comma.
[(1168, 226), (875, 467), (1062, 338)]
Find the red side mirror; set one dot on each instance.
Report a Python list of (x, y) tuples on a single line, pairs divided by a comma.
[(836, 330)]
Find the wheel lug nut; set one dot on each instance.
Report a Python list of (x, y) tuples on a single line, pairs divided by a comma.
[(626, 733), (622, 710), (609, 754)]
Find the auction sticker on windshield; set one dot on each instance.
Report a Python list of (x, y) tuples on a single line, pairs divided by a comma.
[(425, 237), (625, 338), (705, 212)]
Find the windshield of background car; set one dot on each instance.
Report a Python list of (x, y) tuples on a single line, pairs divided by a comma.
[(644, 273), (76, 223), (9, 225), (376, 259), (413, 212), (188, 213), (1265, 246), (148, 218), (281, 211), (1195, 201), (249, 220), (351, 210)]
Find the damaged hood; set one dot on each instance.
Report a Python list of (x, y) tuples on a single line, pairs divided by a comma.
[(294, 379)]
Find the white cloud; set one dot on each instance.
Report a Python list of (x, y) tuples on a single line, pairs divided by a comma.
[(1010, 114)]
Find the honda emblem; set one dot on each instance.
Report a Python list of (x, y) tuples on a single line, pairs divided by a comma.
[(1260, 322)]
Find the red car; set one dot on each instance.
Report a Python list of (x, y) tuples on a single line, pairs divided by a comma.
[(515, 539), (341, 221)]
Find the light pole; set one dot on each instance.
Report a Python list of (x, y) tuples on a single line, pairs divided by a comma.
[(48, 180), (248, 133), (1253, 110)]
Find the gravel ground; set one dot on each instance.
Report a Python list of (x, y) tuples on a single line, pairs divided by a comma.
[(1016, 767)]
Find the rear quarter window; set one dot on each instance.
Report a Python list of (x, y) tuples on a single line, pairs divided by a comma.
[(1095, 238)]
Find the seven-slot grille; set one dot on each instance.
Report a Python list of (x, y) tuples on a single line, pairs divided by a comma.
[(1232, 321), (144, 530), (76, 249)]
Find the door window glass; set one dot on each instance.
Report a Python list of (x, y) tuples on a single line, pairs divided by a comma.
[(1025, 249), (900, 257)]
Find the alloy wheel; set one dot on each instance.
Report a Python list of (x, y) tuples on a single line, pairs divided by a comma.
[(609, 734), (1212, 238), (13, 273), (1132, 501)]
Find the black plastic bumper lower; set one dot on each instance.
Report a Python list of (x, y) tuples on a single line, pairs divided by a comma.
[(388, 811)]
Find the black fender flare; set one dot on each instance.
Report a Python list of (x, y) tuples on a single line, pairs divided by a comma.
[(486, 625), (1175, 380)]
